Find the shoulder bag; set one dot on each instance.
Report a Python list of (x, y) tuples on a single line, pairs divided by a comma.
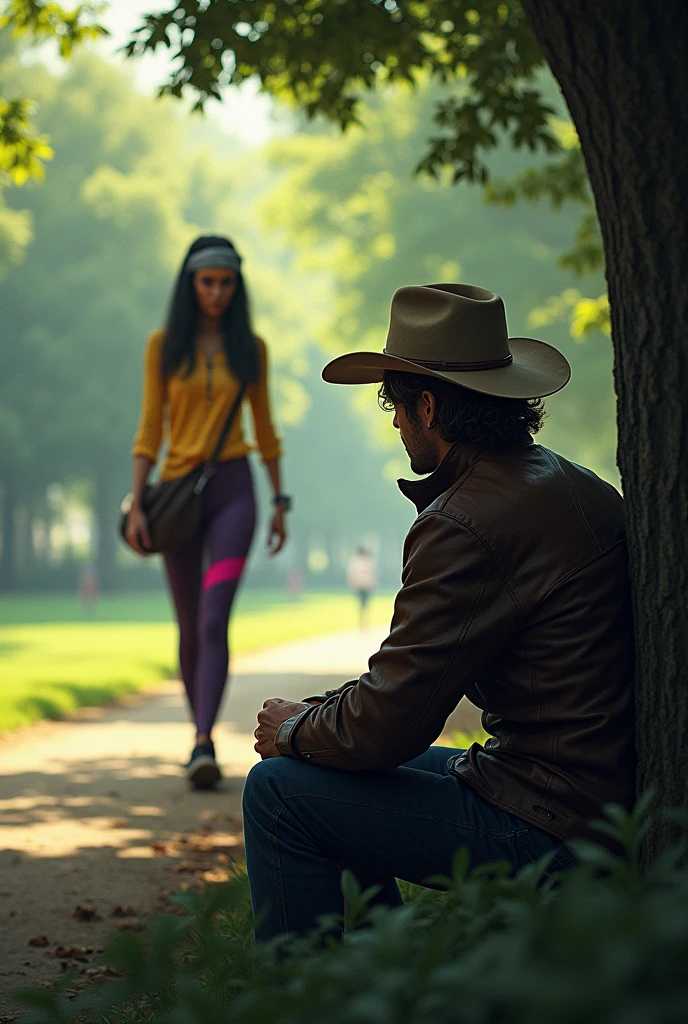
[(173, 507)]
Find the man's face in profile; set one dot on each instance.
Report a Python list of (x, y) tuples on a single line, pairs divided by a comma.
[(422, 453)]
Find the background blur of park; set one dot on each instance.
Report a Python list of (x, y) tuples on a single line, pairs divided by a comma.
[(330, 224)]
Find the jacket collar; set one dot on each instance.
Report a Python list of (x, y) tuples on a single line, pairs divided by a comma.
[(453, 466)]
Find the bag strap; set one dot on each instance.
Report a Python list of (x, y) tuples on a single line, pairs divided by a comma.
[(224, 433)]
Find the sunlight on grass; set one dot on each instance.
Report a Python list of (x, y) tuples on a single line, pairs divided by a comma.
[(463, 740), (49, 668)]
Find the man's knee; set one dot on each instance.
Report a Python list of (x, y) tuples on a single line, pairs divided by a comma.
[(265, 783)]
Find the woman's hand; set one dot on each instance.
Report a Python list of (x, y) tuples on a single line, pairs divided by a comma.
[(138, 534), (277, 536)]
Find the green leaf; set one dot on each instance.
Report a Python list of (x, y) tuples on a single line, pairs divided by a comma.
[(324, 55)]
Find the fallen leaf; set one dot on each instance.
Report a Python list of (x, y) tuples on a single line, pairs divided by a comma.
[(120, 911), (39, 940), (73, 953), (215, 875), (119, 823), (187, 867), (85, 912)]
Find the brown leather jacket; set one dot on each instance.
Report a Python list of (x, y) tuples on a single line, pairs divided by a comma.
[(515, 593)]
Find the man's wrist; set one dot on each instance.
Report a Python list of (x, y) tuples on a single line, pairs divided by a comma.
[(282, 502), (286, 734)]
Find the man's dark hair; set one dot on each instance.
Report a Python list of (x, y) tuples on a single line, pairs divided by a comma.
[(464, 415)]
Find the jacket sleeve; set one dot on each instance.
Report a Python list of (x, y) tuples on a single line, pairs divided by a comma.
[(149, 434), (451, 617), (320, 698), (266, 437)]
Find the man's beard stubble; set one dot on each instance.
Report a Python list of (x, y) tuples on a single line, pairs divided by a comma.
[(421, 452)]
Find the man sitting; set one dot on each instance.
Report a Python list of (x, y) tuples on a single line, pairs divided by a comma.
[(515, 593)]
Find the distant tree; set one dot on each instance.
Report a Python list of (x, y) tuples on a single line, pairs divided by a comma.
[(23, 150), (23, 153), (94, 282), (623, 70)]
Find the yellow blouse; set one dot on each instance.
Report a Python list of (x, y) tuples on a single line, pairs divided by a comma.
[(190, 411)]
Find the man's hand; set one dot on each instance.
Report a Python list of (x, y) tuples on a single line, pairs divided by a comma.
[(275, 711)]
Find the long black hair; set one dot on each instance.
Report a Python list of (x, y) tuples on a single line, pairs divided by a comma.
[(239, 342)]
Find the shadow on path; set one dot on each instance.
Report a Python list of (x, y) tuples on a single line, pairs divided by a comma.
[(95, 812)]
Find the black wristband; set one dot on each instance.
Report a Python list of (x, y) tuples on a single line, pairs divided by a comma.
[(283, 501)]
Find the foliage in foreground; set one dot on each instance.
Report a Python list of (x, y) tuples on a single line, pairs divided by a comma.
[(603, 943)]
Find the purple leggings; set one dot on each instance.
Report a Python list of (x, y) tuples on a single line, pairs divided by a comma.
[(203, 578)]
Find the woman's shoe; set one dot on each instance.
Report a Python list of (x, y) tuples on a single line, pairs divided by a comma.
[(203, 771)]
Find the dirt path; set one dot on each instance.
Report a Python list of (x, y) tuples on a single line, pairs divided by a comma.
[(97, 823)]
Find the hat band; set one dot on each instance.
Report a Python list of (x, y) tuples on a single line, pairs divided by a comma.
[(430, 364)]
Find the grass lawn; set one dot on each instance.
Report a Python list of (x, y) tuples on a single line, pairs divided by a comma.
[(53, 660)]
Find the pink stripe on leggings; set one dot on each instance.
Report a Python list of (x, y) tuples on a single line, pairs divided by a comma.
[(223, 571)]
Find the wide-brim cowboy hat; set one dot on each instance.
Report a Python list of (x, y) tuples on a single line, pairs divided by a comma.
[(457, 332)]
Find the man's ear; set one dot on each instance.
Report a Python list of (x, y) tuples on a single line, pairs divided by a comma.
[(428, 409)]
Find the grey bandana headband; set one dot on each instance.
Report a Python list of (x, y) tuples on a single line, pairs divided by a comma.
[(216, 256)]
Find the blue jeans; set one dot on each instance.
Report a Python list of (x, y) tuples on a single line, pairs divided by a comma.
[(304, 824)]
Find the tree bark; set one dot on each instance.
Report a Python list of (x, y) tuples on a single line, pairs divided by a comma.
[(8, 564), (622, 66), (105, 514)]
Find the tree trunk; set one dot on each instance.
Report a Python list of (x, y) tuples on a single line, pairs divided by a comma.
[(8, 565), (622, 67), (105, 514)]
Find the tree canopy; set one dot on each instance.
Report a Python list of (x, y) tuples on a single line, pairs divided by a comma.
[(23, 150), (325, 57)]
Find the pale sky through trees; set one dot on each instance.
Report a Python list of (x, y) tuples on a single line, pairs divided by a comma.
[(243, 113)]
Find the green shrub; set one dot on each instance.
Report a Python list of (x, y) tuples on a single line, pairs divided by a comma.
[(601, 944)]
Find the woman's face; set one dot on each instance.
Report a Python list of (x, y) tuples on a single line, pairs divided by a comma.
[(214, 290)]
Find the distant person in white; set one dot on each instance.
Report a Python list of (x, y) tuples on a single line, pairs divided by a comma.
[(362, 579)]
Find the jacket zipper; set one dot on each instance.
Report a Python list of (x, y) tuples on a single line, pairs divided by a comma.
[(209, 380)]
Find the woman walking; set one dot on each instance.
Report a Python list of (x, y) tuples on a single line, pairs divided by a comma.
[(194, 371)]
